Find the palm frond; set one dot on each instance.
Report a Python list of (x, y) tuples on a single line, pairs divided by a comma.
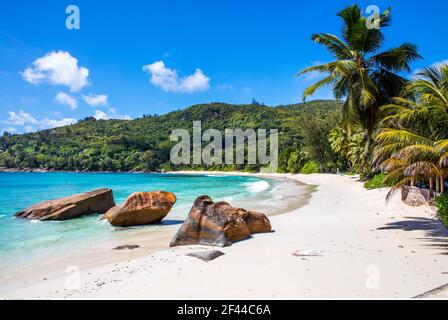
[(404, 136), (441, 145), (336, 46), (313, 88), (322, 68), (396, 59)]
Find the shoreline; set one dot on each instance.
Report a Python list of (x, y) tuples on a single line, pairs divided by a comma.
[(345, 242), (46, 170), (150, 239)]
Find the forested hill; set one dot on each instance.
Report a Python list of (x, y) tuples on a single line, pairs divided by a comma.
[(143, 144)]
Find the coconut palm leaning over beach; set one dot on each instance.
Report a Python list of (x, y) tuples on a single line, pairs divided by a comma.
[(362, 74), (413, 143)]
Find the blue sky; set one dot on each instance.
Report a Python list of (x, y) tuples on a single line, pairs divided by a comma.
[(135, 57)]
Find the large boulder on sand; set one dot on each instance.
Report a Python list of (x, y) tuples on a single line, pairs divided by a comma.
[(141, 208), (414, 196), (96, 201), (218, 224), (257, 222)]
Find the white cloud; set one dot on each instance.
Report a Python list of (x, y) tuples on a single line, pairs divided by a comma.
[(313, 75), (23, 118), (96, 100), (53, 123), (64, 98), (437, 64), (110, 114), (31, 124), (100, 115), (57, 68), (20, 118), (9, 130), (168, 79)]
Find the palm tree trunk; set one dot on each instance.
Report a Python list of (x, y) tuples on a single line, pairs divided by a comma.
[(442, 184), (412, 182), (431, 183), (437, 184)]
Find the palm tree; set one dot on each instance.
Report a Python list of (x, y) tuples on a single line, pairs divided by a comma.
[(411, 158), (366, 78), (349, 147), (413, 145)]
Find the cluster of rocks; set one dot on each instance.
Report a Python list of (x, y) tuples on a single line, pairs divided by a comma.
[(208, 223), (219, 224)]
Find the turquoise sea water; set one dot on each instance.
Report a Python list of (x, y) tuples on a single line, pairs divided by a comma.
[(22, 240)]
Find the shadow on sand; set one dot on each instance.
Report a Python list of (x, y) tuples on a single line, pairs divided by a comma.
[(436, 235)]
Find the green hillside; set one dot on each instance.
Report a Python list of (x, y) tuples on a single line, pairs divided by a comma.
[(143, 144)]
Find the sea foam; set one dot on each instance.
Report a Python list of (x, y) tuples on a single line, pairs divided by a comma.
[(257, 186)]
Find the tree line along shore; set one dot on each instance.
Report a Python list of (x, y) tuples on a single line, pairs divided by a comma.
[(388, 123)]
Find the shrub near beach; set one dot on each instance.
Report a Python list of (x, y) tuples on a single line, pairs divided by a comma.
[(310, 167), (442, 207)]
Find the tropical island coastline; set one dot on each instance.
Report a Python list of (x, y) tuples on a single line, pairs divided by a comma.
[(289, 195), (304, 255), (340, 197)]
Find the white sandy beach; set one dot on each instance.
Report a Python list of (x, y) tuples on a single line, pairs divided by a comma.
[(350, 244)]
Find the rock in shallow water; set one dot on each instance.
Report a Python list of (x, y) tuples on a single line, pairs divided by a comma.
[(218, 224), (141, 208), (206, 255), (96, 201)]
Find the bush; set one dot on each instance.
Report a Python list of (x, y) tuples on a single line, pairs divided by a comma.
[(442, 206), (310, 167), (377, 182)]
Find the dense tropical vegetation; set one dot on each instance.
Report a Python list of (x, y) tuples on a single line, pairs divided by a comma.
[(413, 142), (144, 144)]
